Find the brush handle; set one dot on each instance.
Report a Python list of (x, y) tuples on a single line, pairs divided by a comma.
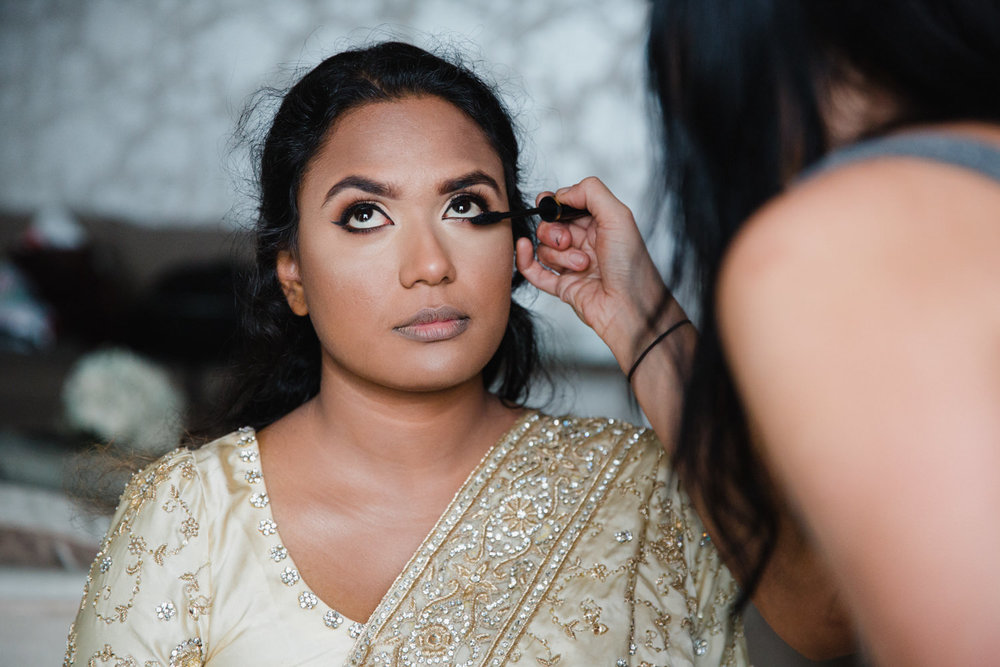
[(550, 210)]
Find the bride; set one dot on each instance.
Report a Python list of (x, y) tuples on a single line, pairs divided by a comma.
[(389, 499)]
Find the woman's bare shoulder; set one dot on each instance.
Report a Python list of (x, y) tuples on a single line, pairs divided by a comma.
[(896, 222)]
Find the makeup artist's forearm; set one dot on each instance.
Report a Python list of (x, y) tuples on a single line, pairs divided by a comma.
[(659, 381)]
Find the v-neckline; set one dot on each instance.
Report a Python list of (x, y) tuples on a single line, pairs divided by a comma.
[(251, 473)]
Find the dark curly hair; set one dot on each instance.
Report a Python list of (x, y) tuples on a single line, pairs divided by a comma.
[(277, 366)]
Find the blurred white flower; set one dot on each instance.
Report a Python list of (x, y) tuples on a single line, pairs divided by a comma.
[(124, 399)]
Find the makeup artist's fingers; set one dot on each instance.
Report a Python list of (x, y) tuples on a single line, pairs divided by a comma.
[(532, 270), (561, 235), (542, 195), (554, 235), (592, 195), (563, 260), (621, 290)]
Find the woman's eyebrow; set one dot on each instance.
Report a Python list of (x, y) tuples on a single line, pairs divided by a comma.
[(464, 181), (360, 183)]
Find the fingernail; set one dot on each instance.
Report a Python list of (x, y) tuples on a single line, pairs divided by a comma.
[(557, 238)]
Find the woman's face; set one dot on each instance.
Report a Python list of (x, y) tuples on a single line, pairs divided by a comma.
[(402, 291)]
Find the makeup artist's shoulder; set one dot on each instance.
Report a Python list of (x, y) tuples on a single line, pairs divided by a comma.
[(805, 234)]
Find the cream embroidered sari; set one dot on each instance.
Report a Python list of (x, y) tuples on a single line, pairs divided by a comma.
[(569, 544)]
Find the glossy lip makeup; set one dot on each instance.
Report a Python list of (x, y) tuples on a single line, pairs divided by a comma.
[(431, 325)]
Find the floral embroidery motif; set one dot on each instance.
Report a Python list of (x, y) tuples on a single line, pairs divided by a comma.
[(197, 603), (592, 617), (189, 528), (519, 516), (107, 654), (500, 577), (502, 559), (166, 611), (187, 654), (478, 578), (290, 576), (434, 641), (142, 490)]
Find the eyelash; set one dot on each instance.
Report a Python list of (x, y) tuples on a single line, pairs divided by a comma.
[(352, 208), (471, 197)]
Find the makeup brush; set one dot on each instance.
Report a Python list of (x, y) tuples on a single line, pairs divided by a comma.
[(548, 210)]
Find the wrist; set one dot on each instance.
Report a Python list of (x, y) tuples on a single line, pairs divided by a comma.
[(635, 326), (659, 339)]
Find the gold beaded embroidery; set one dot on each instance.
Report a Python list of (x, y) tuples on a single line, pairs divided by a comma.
[(107, 654), (482, 573), (141, 490), (499, 579)]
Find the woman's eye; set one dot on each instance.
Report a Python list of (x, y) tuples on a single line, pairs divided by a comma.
[(465, 206), (364, 216)]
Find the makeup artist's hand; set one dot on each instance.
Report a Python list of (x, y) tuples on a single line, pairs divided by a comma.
[(600, 266)]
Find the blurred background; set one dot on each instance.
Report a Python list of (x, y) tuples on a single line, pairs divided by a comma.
[(123, 196)]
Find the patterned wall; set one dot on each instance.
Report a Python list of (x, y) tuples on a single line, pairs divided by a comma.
[(126, 108)]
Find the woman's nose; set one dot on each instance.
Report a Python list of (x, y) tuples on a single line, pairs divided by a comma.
[(425, 258)]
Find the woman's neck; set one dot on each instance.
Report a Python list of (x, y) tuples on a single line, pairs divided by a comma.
[(395, 434)]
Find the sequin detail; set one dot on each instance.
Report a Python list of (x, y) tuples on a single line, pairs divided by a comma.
[(498, 579), (524, 507), (187, 654), (267, 527), (154, 489), (290, 576), (166, 611)]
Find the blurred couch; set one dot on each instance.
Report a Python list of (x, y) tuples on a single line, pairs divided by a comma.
[(162, 291)]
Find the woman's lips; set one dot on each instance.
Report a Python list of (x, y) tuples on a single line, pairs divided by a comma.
[(434, 324)]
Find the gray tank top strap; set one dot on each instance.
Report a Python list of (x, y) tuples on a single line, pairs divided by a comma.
[(938, 146)]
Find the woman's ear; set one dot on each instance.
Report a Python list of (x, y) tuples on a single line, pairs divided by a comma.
[(291, 282)]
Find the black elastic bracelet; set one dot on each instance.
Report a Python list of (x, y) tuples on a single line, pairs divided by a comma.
[(635, 365)]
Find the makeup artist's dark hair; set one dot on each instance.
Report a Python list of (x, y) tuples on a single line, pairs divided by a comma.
[(278, 363), (739, 84)]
